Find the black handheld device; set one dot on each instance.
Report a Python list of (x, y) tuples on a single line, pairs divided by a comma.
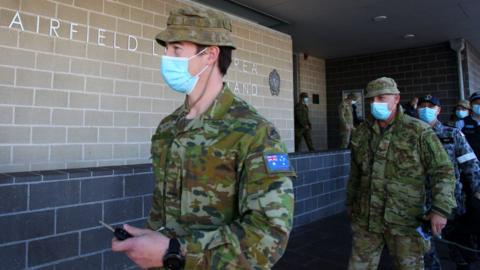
[(119, 233)]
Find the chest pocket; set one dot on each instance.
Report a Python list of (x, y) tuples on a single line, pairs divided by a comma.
[(209, 186)]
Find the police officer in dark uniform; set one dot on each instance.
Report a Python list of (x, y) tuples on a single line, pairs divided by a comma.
[(472, 123), (467, 184)]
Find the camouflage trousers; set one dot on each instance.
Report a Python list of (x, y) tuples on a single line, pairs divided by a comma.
[(345, 137), (407, 251)]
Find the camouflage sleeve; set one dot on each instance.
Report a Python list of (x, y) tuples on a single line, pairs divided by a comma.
[(440, 170), (258, 237), (467, 162)]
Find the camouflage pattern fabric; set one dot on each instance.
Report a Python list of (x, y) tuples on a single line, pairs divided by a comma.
[(389, 171), (200, 26), (345, 112), (302, 126), (389, 168), (464, 161), (381, 86), (214, 190), (406, 251)]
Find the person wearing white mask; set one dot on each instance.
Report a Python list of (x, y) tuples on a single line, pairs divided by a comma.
[(467, 184)]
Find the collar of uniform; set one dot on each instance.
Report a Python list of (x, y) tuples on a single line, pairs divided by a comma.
[(438, 126), (220, 106)]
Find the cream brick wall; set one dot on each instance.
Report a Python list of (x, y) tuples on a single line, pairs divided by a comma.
[(68, 101), (312, 80)]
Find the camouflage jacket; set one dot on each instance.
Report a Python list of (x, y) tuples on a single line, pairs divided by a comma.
[(216, 189), (464, 161), (345, 113), (388, 175), (302, 119)]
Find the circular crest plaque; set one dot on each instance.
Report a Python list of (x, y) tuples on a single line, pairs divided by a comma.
[(274, 81)]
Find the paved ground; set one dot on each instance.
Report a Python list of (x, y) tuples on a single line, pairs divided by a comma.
[(326, 245)]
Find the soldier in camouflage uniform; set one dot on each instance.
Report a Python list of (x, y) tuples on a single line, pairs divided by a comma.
[(303, 126), (345, 112), (223, 179), (392, 156), (467, 168)]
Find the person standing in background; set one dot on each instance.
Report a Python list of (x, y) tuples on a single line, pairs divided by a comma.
[(345, 112), (303, 127)]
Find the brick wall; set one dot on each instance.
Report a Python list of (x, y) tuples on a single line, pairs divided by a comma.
[(473, 70), (311, 73), (83, 89), (417, 71), (49, 219)]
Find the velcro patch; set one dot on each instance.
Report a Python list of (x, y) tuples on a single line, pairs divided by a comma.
[(277, 163)]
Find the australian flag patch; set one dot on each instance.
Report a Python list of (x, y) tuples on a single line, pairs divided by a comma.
[(277, 163)]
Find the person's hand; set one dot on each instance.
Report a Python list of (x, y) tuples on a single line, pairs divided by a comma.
[(146, 248), (438, 222)]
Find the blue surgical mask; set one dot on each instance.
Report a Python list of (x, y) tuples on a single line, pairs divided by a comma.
[(476, 109), (461, 113), (427, 114), (380, 110), (175, 73), (305, 100)]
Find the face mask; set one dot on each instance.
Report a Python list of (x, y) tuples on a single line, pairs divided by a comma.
[(461, 113), (380, 110), (354, 102), (305, 100), (427, 114), (175, 73), (476, 109)]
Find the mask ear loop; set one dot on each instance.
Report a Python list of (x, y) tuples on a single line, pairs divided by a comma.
[(206, 83)]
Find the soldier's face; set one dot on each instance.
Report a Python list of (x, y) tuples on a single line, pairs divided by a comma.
[(392, 100), (429, 105), (188, 50)]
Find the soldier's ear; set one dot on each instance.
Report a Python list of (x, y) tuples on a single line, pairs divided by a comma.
[(213, 52)]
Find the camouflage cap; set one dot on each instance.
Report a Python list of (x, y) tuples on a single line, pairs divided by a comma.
[(381, 86), (464, 103), (200, 26)]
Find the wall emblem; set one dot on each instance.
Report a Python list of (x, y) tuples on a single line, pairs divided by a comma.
[(274, 82)]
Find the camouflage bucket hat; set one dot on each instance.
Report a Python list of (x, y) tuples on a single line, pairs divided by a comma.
[(200, 26), (464, 103), (381, 86)]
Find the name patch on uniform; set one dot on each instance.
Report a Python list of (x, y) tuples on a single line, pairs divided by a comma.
[(277, 163), (446, 140)]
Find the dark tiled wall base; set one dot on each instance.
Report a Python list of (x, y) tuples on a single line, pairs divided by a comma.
[(320, 187), (49, 219)]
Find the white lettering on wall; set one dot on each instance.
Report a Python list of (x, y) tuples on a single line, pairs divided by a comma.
[(17, 20), (72, 29), (239, 65), (115, 41), (54, 25), (37, 28), (130, 38), (101, 37)]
